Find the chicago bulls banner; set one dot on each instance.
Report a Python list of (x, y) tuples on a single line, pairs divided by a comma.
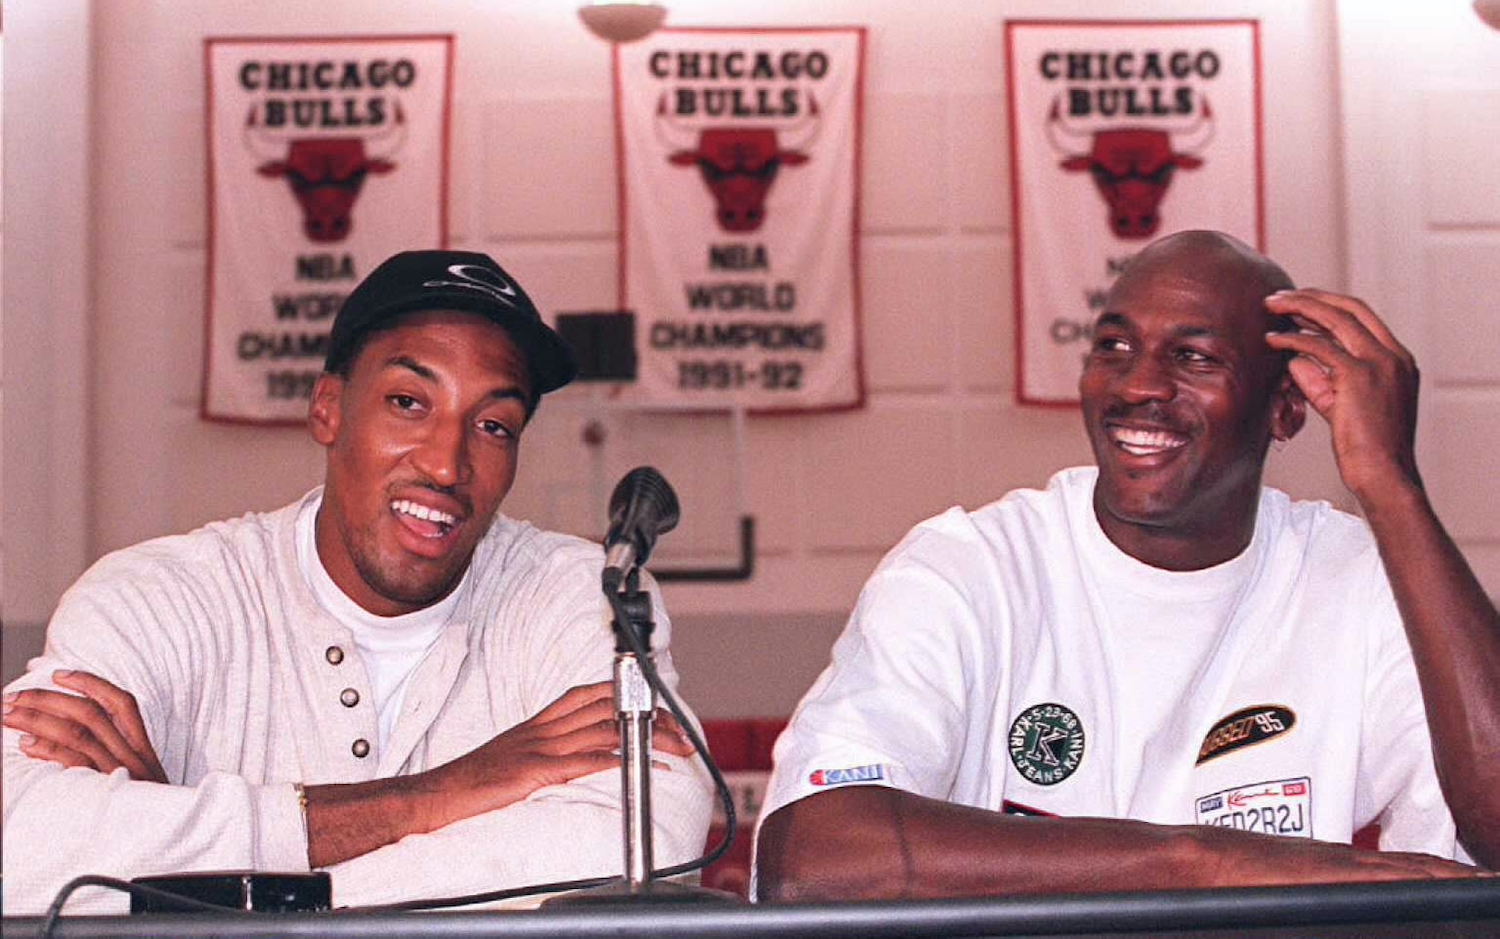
[(1120, 132), (325, 156), (739, 200)]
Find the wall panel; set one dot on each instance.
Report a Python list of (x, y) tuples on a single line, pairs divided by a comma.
[(533, 182)]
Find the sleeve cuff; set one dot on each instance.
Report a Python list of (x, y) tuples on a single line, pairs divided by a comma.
[(281, 828)]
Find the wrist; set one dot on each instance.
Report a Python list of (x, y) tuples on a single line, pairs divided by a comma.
[(1391, 495), (420, 798), (346, 820)]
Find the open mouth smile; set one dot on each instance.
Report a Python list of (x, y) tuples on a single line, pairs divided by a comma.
[(422, 520), (1138, 442)]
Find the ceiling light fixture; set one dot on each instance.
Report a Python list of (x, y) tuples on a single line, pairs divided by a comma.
[(615, 21)]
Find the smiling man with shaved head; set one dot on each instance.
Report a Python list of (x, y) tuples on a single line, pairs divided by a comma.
[(387, 679), (1157, 672)]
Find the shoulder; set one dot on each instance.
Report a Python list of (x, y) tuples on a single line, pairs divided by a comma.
[(1330, 539), (1332, 556), (517, 551), (537, 608), (139, 601), (1014, 528), (232, 548), (524, 573), (985, 562), (1067, 493)]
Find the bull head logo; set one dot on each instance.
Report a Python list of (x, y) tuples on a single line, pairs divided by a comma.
[(326, 173), (738, 164), (1132, 166)]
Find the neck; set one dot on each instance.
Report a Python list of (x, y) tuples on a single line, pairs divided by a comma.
[(1177, 547), (341, 569)]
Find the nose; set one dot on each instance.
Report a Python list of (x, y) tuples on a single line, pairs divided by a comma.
[(442, 454), (1144, 379)]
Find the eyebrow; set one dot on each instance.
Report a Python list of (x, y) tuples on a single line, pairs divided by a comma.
[(1121, 321), (504, 392)]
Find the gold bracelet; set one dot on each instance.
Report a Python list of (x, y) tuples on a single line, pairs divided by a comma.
[(302, 804)]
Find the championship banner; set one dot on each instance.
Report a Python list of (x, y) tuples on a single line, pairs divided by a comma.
[(1120, 132), (325, 157), (739, 209)]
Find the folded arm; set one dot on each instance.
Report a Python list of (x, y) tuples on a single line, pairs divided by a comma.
[(85, 792), (100, 730), (558, 833), (574, 736), (62, 822), (870, 842)]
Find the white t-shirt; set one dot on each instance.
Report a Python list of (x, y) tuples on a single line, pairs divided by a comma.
[(1012, 658), (391, 647)]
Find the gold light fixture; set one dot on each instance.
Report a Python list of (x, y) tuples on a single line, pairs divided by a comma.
[(615, 21), (1489, 11)]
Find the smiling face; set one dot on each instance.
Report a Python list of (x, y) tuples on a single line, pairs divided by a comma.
[(422, 438), (1181, 396)]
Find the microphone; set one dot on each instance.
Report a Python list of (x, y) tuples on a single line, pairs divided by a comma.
[(642, 508)]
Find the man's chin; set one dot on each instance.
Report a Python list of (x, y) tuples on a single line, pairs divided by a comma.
[(416, 589), (1152, 508)]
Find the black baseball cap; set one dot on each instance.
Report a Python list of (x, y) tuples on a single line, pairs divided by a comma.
[(464, 281)]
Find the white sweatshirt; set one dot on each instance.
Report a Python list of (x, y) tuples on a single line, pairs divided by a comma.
[(233, 664)]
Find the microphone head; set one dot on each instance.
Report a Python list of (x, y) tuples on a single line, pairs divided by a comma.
[(642, 508)]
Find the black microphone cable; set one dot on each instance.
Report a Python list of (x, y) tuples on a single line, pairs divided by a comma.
[(54, 910)]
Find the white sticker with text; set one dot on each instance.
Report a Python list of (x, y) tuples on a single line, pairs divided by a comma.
[(1279, 807)]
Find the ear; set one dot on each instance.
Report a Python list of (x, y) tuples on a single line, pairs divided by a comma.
[(326, 411), (1288, 408)]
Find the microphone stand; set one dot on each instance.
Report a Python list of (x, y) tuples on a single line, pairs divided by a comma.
[(635, 710)]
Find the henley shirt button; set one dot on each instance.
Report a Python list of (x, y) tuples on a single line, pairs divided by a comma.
[(348, 697), (361, 748), (334, 655)]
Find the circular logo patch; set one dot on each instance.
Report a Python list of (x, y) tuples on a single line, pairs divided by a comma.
[(1046, 743)]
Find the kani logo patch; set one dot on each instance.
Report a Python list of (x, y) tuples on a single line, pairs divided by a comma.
[(1046, 743), (1251, 725), (852, 774)]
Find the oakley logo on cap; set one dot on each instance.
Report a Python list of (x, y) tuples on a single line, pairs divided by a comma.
[(478, 277)]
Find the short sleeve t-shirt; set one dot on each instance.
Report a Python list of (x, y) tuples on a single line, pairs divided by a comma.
[(1012, 658)]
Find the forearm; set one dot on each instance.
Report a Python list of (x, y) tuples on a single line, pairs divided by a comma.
[(894, 844), (870, 842), (1454, 632), (61, 823), (345, 820), (561, 833)]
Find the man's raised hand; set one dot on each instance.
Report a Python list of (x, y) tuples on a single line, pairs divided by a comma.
[(1356, 374)]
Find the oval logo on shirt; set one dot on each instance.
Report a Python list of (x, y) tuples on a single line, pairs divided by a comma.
[(1046, 743), (1254, 724)]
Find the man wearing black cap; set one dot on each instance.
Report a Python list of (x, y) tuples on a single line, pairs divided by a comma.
[(386, 679)]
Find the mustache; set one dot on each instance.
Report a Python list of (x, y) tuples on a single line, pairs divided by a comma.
[(1151, 412), (452, 492)]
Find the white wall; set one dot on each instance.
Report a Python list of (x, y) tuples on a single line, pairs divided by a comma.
[(47, 287), (1421, 103), (534, 184)]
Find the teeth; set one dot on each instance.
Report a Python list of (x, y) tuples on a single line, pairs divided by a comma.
[(408, 507), (1145, 442)]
